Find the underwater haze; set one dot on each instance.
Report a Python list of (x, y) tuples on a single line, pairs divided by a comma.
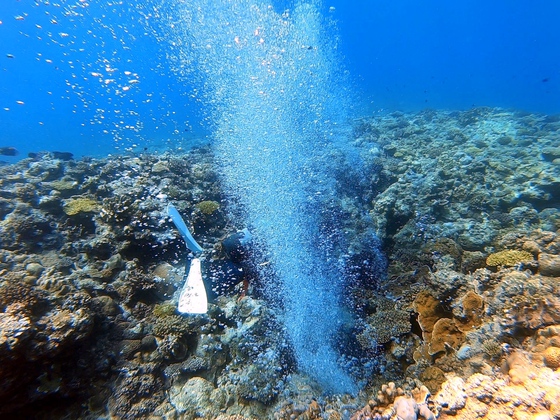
[(94, 77)]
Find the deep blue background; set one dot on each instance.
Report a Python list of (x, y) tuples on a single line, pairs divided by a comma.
[(404, 55), (454, 54)]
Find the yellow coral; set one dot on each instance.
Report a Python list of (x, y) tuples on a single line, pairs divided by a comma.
[(508, 257), (80, 205), (208, 207)]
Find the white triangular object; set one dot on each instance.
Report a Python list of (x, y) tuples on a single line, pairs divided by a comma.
[(193, 298)]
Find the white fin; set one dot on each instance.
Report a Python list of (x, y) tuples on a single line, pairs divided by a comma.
[(193, 298)]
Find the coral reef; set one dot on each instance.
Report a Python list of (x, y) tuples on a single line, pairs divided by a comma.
[(464, 322)]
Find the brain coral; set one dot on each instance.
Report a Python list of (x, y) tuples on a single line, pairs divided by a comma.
[(552, 357), (508, 257)]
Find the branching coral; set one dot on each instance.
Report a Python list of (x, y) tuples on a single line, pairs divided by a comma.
[(393, 402)]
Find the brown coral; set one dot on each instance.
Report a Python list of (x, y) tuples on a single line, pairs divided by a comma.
[(432, 377), (80, 205), (429, 311), (472, 306), (208, 207), (445, 333), (172, 325)]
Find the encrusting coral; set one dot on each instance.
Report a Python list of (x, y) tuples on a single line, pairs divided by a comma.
[(508, 258), (79, 205), (208, 207)]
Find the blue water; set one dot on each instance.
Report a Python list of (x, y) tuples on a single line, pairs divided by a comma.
[(454, 55), (401, 55)]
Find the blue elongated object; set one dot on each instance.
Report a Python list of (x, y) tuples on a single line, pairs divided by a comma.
[(182, 228)]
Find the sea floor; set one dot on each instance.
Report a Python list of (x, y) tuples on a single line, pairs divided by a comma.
[(464, 324)]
